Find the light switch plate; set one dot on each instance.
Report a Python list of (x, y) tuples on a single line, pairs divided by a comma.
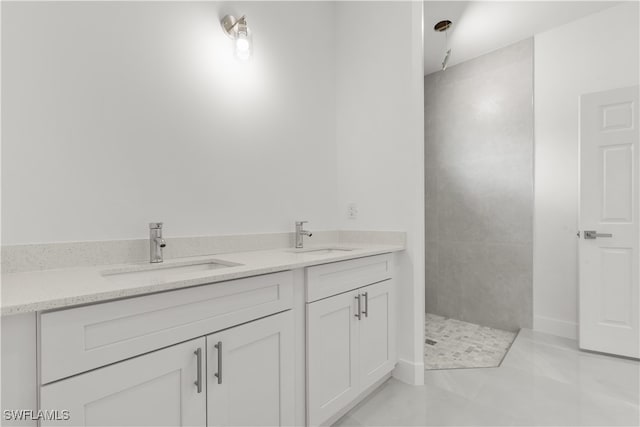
[(352, 211)]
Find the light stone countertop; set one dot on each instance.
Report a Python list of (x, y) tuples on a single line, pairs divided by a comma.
[(50, 289)]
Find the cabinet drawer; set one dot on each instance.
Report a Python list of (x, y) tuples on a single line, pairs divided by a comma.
[(325, 280), (84, 338)]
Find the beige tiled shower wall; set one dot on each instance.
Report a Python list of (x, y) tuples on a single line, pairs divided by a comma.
[(479, 189)]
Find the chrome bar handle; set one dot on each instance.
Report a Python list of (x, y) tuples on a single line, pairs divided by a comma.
[(366, 304), (219, 373), (198, 382), (592, 234), (359, 313)]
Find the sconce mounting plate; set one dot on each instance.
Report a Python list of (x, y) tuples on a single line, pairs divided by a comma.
[(229, 23)]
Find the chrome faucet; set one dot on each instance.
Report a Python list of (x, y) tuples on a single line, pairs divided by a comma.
[(300, 232), (156, 242)]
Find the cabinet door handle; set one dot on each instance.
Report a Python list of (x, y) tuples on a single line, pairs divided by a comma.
[(359, 313), (198, 381), (366, 304), (219, 373)]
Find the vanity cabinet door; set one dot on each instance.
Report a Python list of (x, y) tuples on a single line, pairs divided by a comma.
[(155, 389), (332, 355), (377, 332), (250, 374)]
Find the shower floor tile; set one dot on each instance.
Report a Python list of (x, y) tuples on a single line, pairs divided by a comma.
[(454, 344)]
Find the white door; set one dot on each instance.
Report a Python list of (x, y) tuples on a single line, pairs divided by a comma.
[(250, 374), (609, 234), (377, 332), (332, 355), (156, 389)]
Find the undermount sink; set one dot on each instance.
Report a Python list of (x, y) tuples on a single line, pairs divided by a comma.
[(321, 251), (164, 272)]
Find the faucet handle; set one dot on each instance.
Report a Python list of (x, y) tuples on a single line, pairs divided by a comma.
[(301, 222), (155, 225)]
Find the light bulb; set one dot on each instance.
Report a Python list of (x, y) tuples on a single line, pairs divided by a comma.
[(243, 45)]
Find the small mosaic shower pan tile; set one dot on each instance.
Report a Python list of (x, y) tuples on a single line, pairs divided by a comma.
[(454, 344)]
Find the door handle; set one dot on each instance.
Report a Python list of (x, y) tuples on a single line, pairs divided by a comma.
[(198, 381), (366, 304), (359, 313), (219, 373), (592, 234)]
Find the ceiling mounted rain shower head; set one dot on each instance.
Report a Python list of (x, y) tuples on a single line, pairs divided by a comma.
[(443, 27)]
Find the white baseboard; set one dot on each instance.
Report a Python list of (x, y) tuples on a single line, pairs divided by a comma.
[(409, 372), (561, 328)]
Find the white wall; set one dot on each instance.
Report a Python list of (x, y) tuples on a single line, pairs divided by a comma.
[(595, 53), (380, 139), (117, 114)]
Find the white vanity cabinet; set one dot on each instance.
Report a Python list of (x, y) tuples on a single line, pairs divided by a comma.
[(155, 389), (332, 356), (79, 339), (241, 375), (250, 378), (350, 333), (278, 349), (376, 333)]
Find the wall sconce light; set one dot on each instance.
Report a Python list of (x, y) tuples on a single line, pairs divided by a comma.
[(240, 33)]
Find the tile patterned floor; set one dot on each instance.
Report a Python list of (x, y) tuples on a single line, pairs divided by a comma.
[(543, 381), (451, 344)]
